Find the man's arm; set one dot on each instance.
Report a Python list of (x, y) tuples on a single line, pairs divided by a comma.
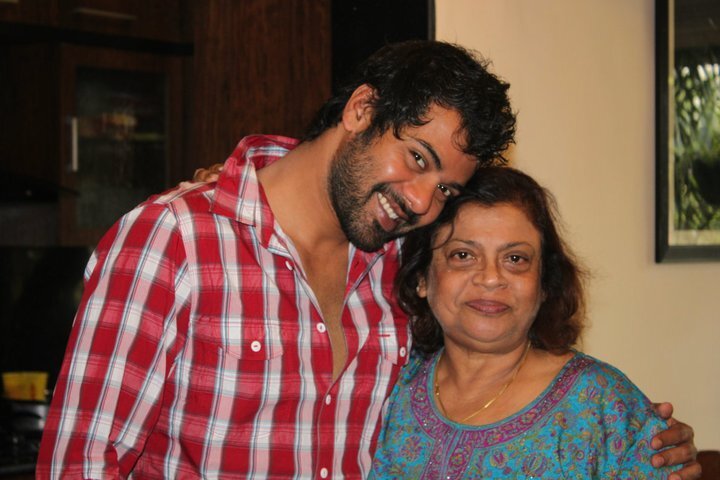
[(123, 340), (681, 437)]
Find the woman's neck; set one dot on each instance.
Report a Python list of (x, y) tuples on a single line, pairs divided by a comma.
[(466, 367), (508, 381)]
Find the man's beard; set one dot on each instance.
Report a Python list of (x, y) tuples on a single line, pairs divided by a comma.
[(349, 194)]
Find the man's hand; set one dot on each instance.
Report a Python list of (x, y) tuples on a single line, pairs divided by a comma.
[(679, 437)]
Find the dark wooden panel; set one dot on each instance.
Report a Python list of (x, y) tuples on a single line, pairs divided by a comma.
[(155, 19), (710, 461), (259, 66), (29, 11), (29, 112)]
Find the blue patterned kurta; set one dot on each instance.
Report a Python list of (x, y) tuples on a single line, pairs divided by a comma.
[(590, 422)]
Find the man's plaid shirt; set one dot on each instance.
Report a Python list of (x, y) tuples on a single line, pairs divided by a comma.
[(199, 350)]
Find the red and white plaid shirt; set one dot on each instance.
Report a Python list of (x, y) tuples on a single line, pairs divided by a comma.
[(199, 349)]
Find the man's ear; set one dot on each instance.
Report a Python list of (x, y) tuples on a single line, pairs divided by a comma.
[(357, 114)]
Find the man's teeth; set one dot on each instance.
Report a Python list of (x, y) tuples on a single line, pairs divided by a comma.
[(386, 206)]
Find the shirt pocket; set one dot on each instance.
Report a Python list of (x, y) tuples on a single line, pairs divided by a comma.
[(233, 380), (236, 361), (394, 342), (241, 338)]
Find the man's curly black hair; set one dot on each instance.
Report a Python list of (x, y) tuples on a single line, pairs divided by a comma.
[(410, 77)]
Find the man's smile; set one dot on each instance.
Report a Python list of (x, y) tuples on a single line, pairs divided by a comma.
[(385, 203)]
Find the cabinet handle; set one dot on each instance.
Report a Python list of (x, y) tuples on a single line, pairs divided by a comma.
[(74, 159), (94, 12)]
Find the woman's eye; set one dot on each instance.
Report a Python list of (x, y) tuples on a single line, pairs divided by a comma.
[(419, 160), (518, 259), (461, 255)]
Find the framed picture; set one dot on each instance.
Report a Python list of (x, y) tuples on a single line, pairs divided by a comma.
[(687, 76)]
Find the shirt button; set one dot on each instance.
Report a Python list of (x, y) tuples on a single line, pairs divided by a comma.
[(288, 265), (255, 346), (321, 327), (403, 352), (323, 473), (328, 399)]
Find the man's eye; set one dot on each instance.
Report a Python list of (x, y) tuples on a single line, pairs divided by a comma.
[(419, 160), (445, 190)]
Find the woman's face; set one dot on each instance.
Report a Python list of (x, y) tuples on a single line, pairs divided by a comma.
[(483, 283)]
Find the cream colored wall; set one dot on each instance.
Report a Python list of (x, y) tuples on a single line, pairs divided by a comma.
[(582, 80)]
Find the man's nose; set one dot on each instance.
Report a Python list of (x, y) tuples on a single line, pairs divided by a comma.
[(419, 196)]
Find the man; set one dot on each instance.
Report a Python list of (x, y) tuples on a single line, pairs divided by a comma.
[(247, 328)]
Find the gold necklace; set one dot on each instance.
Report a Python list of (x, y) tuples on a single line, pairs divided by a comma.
[(492, 400)]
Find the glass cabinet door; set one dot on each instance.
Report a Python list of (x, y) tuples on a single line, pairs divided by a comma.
[(119, 142), (117, 115)]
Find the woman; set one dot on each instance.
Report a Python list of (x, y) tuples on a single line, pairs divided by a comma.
[(497, 390)]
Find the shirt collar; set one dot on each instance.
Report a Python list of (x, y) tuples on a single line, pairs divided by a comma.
[(239, 195)]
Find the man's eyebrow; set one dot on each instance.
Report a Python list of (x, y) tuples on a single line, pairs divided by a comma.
[(433, 153), (438, 163)]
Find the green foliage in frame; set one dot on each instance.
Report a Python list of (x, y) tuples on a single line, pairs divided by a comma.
[(687, 179), (696, 80)]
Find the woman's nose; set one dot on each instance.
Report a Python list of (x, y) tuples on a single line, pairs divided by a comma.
[(489, 275)]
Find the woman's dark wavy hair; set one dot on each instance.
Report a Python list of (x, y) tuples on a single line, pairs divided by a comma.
[(560, 319), (409, 77)]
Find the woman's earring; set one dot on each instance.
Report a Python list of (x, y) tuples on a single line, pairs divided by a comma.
[(417, 289)]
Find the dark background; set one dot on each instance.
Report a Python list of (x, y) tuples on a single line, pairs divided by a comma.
[(256, 66)]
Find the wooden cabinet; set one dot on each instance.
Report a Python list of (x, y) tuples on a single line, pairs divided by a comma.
[(148, 19), (243, 67), (152, 19), (120, 121), (41, 12), (102, 125)]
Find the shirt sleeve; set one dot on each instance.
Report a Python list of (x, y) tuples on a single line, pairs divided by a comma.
[(131, 324)]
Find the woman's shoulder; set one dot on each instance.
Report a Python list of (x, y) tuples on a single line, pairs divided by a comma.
[(627, 419), (602, 385), (605, 375)]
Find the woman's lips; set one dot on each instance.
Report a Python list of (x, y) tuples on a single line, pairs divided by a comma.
[(488, 307)]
